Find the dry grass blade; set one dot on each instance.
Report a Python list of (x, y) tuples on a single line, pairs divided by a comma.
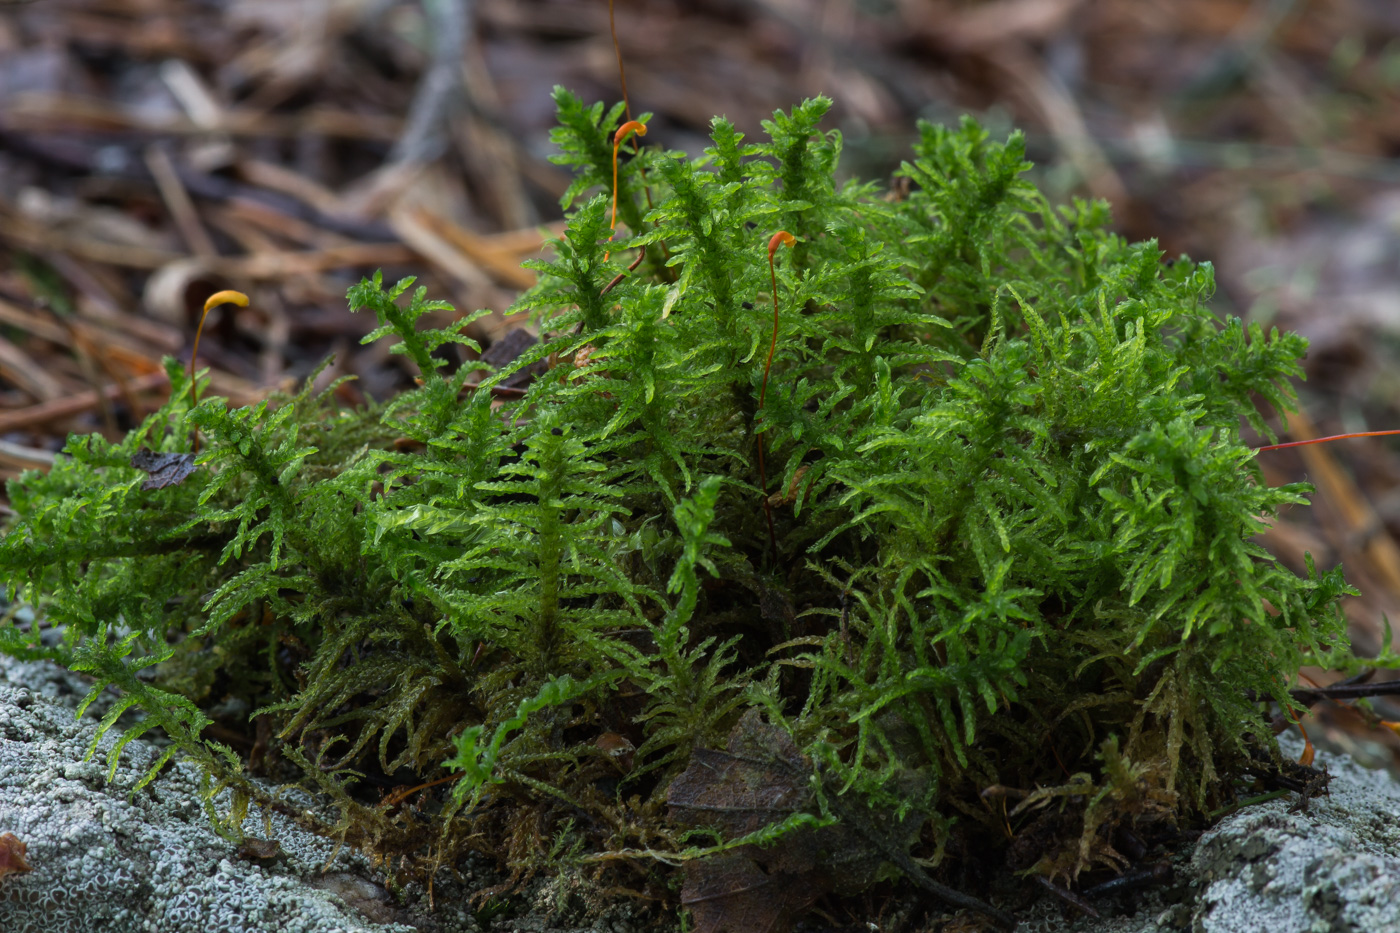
[(288, 264), (503, 264), (21, 232), (422, 231), (52, 112)]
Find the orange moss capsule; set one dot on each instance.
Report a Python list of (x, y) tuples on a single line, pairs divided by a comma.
[(226, 297)]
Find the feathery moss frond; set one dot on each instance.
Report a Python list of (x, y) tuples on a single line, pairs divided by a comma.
[(1012, 531)]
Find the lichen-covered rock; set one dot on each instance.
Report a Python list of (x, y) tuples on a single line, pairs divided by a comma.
[(1275, 868), (1335, 866), (1283, 872), (106, 861)]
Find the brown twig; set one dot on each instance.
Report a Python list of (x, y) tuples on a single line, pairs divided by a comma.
[(48, 413), (32, 112), (622, 275), (399, 796)]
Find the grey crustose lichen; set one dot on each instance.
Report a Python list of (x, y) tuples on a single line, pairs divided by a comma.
[(107, 861)]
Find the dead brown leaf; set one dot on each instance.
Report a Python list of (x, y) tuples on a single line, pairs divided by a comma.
[(761, 779), (732, 894)]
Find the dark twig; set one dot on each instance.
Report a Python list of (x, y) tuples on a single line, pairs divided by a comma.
[(857, 818), (1312, 695), (1353, 688), (1142, 878), (1068, 896), (1283, 774)]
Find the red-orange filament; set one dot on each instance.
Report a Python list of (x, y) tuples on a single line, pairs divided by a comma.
[(781, 238), (1323, 440), (623, 131)]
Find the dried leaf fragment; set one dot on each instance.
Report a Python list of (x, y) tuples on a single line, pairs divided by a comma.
[(618, 748), (255, 849), (789, 497), (164, 469), (12, 853)]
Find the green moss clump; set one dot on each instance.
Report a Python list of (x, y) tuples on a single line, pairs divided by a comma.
[(1013, 517)]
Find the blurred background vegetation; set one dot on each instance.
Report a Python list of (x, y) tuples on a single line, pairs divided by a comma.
[(153, 152)]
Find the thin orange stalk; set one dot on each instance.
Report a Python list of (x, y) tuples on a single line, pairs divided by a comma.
[(781, 238), (1323, 440), (226, 297), (401, 795), (623, 131), (1305, 759)]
